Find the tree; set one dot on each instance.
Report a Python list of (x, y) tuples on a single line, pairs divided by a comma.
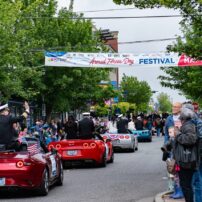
[(8, 48), (188, 80), (29, 29), (164, 102), (134, 91)]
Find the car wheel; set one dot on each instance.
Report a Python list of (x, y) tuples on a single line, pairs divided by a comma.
[(44, 187), (133, 148), (61, 176), (112, 157), (104, 160)]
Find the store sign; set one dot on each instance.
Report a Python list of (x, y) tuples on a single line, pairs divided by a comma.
[(110, 60)]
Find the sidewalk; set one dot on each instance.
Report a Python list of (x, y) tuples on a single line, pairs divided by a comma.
[(165, 197)]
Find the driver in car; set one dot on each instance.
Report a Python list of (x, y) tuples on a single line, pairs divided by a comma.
[(7, 132)]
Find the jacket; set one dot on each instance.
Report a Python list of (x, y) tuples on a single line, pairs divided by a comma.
[(185, 149), (169, 122), (86, 128), (122, 125), (7, 132)]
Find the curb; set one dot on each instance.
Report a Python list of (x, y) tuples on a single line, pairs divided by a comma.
[(159, 197)]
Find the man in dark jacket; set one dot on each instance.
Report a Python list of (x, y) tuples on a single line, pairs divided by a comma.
[(139, 123), (122, 124), (7, 132), (86, 127)]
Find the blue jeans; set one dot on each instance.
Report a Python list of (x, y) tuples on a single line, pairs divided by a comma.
[(197, 184), (158, 131)]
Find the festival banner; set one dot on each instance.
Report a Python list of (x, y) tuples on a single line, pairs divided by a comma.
[(112, 60)]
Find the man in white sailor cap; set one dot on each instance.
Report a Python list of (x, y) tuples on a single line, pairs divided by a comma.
[(86, 127), (7, 133)]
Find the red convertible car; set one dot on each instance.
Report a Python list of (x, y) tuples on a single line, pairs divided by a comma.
[(84, 151), (31, 168)]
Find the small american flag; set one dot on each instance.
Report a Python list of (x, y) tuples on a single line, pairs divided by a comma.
[(33, 148)]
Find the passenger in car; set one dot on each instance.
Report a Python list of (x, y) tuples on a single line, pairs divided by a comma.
[(7, 133), (86, 127), (71, 128)]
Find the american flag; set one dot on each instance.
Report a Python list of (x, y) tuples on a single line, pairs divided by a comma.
[(33, 148)]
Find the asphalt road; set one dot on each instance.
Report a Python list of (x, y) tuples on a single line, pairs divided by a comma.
[(133, 177)]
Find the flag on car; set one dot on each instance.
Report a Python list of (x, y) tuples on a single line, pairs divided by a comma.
[(33, 148)]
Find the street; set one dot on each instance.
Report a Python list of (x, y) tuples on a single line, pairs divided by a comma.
[(132, 177)]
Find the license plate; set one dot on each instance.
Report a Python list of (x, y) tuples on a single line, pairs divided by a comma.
[(72, 152), (116, 141), (2, 182)]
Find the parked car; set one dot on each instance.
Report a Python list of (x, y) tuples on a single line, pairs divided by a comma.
[(143, 135), (84, 151), (32, 168), (124, 141)]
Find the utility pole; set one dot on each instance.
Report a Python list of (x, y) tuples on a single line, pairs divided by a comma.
[(71, 5)]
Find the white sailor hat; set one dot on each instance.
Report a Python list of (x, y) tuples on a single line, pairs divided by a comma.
[(86, 114), (4, 106), (120, 115)]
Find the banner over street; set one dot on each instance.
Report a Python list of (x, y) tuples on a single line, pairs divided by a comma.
[(112, 60)]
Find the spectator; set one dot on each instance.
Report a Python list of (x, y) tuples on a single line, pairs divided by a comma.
[(139, 123), (187, 138), (171, 122), (158, 126), (71, 128), (197, 177), (149, 125)]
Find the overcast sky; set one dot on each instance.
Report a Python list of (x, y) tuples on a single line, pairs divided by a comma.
[(135, 30)]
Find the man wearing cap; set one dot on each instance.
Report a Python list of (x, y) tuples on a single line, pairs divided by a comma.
[(122, 124), (7, 134), (86, 127)]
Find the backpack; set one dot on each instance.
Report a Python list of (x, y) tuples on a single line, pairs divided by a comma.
[(198, 124)]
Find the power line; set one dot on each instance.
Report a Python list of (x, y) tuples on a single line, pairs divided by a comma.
[(108, 17), (115, 9), (147, 41), (120, 43)]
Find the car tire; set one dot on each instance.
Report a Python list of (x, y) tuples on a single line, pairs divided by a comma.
[(112, 158), (61, 176), (44, 187), (104, 160), (132, 149)]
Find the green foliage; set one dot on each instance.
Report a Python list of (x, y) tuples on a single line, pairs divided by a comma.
[(102, 110), (27, 29), (124, 106), (188, 80), (134, 91), (164, 102)]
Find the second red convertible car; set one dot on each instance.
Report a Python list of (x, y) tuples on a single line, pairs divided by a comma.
[(87, 151), (30, 169)]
